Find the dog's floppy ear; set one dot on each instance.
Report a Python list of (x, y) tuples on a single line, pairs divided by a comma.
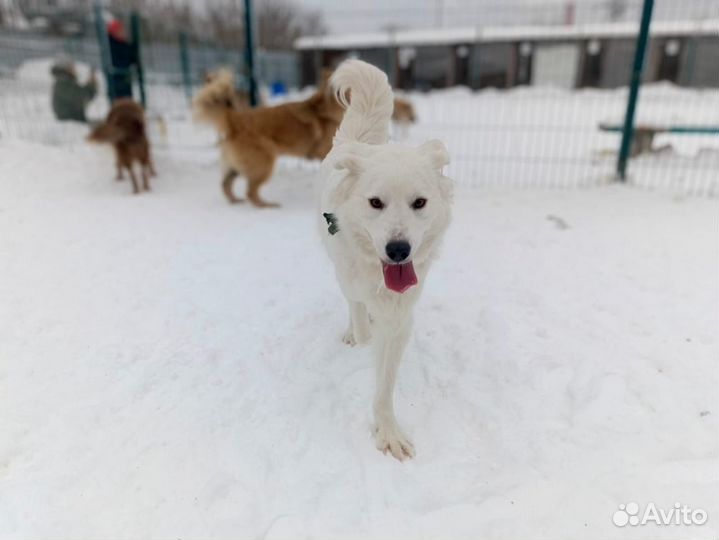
[(436, 153), (350, 163), (342, 184), (446, 188)]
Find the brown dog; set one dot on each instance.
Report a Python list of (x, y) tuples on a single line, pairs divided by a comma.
[(240, 98), (402, 116), (403, 111), (125, 129), (251, 140)]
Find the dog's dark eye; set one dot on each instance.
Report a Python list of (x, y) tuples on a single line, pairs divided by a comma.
[(419, 203), (374, 202)]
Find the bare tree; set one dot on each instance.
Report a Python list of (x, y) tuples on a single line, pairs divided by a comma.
[(161, 19), (281, 22), (617, 9), (225, 24)]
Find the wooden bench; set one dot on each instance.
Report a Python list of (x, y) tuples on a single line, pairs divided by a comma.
[(644, 134)]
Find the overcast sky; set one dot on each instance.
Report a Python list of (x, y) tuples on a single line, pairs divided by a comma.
[(369, 15)]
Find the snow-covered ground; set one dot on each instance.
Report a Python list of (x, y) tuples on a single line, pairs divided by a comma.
[(171, 366)]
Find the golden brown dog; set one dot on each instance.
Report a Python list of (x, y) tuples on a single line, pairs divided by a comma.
[(125, 129), (403, 112), (240, 98), (253, 139), (403, 116)]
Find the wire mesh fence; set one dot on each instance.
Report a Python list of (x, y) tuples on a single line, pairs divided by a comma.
[(552, 136), (537, 99)]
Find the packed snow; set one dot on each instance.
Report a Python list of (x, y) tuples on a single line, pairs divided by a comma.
[(172, 366)]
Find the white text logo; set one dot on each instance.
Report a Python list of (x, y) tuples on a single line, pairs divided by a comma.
[(679, 514)]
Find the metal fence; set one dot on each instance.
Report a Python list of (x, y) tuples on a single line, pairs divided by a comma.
[(535, 132), (543, 101), (173, 71)]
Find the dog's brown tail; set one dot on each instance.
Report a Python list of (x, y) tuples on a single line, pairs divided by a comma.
[(214, 102)]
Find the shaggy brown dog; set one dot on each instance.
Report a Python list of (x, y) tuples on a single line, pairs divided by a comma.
[(124, 128), (240, 98), (402, 117), (251, 140), (403, 112)]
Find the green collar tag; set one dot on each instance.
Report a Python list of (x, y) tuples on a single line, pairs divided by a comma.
[(332, 226)]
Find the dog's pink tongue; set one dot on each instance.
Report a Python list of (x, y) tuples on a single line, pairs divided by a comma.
[(399, 277)]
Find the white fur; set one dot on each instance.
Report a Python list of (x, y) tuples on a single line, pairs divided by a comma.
[(372, 102), (362, 165)]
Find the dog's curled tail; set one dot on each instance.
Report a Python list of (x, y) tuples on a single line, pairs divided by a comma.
[(365, 93), (214, 100)]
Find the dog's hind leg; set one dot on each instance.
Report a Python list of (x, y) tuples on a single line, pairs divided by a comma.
[(135, 188), (390, 343), (255, 179), (358, 332), (118, 167), (151, 166), (145, 177), (147, 164), (227, 182)]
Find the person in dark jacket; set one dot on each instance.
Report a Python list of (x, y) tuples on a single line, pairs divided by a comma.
[(69, 97), (123, 56)]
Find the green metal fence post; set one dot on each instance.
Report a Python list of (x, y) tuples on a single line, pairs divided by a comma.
[(250, 53), (185, 65), (635, 82), (136, 42), (104, 45)]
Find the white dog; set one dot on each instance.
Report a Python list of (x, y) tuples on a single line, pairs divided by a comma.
[(384, 210)]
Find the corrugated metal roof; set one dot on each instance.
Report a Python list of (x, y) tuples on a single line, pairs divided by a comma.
[(449, 36)]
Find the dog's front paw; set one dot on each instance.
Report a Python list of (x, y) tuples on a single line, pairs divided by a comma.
[(348, 338), (362, 336), (351, 339), (388, 437)]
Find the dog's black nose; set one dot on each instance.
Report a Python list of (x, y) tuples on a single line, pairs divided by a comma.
[(398, 250)]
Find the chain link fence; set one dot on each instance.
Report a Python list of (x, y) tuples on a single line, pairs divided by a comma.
[(531, 100), (174, 67)]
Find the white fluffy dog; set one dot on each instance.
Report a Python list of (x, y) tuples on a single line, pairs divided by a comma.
[(384, 210)]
